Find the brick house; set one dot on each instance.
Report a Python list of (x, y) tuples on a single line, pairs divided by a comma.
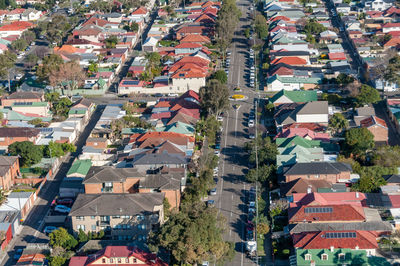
[(333, 172), (22, 97), (16, 134), (377, 127), (116, 255), (106, 179), (99, 143), (121, 216), (9, 171)]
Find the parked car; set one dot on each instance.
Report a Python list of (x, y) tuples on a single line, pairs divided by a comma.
[(213, 192), (251, 210), (251, 123), (250, 236), (62, 209), (19, 76), (210, 202), (65, 201), (216, 180), (173, 94), (48, 229), (217, 146), (220, 118), (18, 254), (216, 152)]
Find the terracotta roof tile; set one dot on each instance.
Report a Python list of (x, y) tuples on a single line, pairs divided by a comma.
[(343, 212), (373, 120), (289, 60)]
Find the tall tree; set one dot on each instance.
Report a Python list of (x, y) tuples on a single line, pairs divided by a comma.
[(220, 75), (214, 97), (19, 45), (50, 63), (338, 122), (193, 235), (68, 75), (368, 95), (28, 152), (358, 141)]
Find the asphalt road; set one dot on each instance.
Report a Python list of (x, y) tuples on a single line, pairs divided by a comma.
[(33, 224), (230, 199)]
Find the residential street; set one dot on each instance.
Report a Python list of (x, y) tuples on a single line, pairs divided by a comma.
[(31, 231), (231, 200)]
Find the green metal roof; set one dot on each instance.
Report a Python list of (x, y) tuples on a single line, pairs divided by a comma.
[(33, 104), (297, 140), (77, 111), (80, 167), (351, 257), (15, 116), (131, 131), (296, 96), (178, 127)]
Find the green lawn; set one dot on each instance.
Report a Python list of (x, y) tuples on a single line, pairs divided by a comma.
[(260, 246)]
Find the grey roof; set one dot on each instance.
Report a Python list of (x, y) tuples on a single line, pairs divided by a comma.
[(5, 163), (25, 95), (317, 107), (291, 53), (315, 168), (116, 204), (158, 159), (112, 15), (316, 227), (20, 195), (392, 178), (365, 111), (161, 181), (101, 174)]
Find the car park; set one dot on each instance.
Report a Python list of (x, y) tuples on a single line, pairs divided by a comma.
[(62, 209), (48, 229)]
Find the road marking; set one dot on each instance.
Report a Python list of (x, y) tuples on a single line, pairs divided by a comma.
[(223, 163), (236, 120)]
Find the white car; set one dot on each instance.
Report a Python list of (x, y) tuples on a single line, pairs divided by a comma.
[(19, 76), (173, 95), (213, 192), (220, 118), (62, 209), (216, 152), (251, 123)]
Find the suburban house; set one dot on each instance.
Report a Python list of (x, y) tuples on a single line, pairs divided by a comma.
[(16, 134), (276, 83), (121, 216), (15, 28), (9, 171), (310, 112), (301, 185), (285, 96), (377, 127), (41, 109), (334, 172), (22, 97), (127, 255), (79, 168)]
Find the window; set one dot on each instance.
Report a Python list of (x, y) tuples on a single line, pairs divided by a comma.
[(93, 227), (80, 226), (125, 217), (119, 260), (92, 217), (324, 257), (134, 260), (103, 260), (307, 257), (127, 260), (80, 218), (116, 216), (342, 256), (111, 260)]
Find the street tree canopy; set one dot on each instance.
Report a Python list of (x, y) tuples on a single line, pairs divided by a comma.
[(50, 63), (214, 97), (338, 122), (368, 95), (220, 75), (267, 150), (193, 235)]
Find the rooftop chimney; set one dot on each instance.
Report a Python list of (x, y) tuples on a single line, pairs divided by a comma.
[(332, 248), (357, 195), (309, 190)]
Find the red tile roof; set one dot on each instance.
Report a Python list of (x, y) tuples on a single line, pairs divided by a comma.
[(192, 29), (289, 60), (140, 11), (188, 45), (392, 42), (119, 252), (391, 25), (395, 201), (304, 133), (195, 38), (337, 56), (373, 120), (163, 104), (343, 212), (392, 10), (282, 71), (97, 21), (204, 18), (279, 18), (308, 199), (318, 240), (153, 139), (16, 26), (312, 126)]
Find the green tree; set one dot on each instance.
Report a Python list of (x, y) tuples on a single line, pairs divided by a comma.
[(214, 97), (82, 237), (61, 238), (265, 173), (28, 152), (167, 208), (260, 27), (28, 35), (54, 149), (266, 150), (68, 147), (193, 235), (57, 261), (19, 45), (61, 107), (313, 27), (153, 64), (220, 75), (49, 63), (7, 61), (37, 122), (386, 156), (344, 79), (338, 122), (369, 184), (31, 60), (358, 141), (93, 67), (134, 27), (111, 41), (368, 95)]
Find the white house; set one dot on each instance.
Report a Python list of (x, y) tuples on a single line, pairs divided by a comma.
[(377, 5), (388, 27), (277, 83), (31, 14), (343, 8)]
